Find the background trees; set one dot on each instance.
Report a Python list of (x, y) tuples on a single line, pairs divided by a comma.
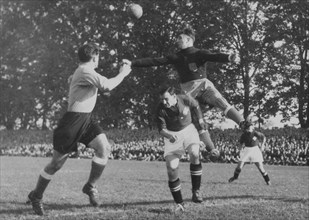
[(40, 38)]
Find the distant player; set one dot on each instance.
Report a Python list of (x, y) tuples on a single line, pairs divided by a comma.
[(190, 63), (77, 125), (252, 141), (175, 125)]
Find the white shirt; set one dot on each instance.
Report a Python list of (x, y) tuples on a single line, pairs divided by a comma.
[(84, 89)]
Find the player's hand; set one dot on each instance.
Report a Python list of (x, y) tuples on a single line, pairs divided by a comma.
[(128, 62), (215, 152), (125, 69), (173, 138), (234, 57)]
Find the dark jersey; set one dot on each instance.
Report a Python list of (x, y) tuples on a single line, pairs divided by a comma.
[(190, 63), (251, 139), (177, 117)]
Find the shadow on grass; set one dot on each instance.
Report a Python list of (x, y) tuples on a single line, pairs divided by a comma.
[(22, 208)]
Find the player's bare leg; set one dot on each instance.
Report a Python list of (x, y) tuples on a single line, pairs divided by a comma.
[(260, 166), (35, 196), (196, 172), (102, 149), (172, 163)]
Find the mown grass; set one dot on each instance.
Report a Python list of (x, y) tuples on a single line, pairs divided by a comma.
[(139, 190)]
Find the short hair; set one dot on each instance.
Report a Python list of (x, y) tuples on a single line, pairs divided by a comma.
[(189, 32), (87, 51), (170, 89)]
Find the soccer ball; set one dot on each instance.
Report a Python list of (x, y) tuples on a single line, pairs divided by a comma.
[(136, 10)]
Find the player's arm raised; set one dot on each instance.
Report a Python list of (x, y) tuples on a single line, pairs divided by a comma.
[(219, 57), (115, 81), (147, 62), (105, 84)]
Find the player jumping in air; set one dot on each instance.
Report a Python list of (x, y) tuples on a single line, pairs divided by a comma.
[(253, 141), (175, 125), (77, 126), (190, 63)]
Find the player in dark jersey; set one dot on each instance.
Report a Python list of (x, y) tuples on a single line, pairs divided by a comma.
[(174, 122), (190, 63), (76, 125), (254, 143)]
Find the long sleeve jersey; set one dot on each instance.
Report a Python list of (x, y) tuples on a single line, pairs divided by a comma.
[(190, 63), (177, 117), (84, 89)]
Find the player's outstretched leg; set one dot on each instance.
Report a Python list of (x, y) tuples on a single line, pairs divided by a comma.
[(263, 172), (236, 174), (35, 196)]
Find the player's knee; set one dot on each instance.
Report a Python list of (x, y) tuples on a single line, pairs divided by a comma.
[(195, 152), (172, 167), (53, 167), (101, 146)]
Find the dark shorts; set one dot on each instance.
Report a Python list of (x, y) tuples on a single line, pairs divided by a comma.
[(73, 128)]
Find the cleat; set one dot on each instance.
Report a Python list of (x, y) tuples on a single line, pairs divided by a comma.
[(196, 196), (268, 183), (92, 192), (36, 203), (179, 208), (232, 179)]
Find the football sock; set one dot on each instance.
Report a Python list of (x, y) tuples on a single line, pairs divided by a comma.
[(175, 188), (236, 173), (196, 175), (97, 167), (233, 114), (265, 176), (42, 184), (205, 138)]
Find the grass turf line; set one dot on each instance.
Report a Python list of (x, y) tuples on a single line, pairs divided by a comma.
[(139, 190)]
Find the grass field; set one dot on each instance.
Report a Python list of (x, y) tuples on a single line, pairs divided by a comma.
[(139, 190)]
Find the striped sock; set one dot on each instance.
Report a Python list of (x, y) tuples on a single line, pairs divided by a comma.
[(196, 175), (265, 176), (175, 188)]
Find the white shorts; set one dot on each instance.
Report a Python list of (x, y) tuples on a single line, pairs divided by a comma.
[(186, 137), (206, 93), (251, 154)]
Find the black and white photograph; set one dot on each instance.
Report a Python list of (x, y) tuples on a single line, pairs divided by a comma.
[(154, 109)]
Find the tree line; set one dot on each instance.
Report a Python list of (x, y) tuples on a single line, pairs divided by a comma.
[(40, 38)]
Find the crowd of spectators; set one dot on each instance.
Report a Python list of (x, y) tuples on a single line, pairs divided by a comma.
[(288, 146)]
